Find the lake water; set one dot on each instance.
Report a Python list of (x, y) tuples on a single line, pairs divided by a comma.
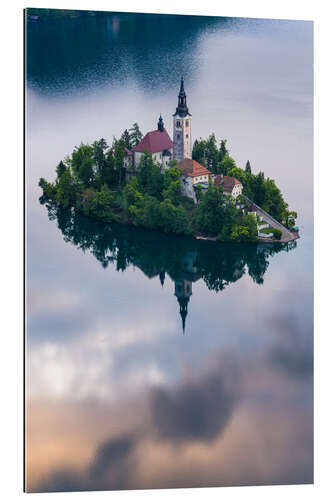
[(155, 361)]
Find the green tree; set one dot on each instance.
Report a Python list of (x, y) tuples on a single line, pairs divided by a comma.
[(61, 168), (110, 174), (83, 203), (273, 201), (246, 231), (100, 161), (172, 163), (277, 233), (118, 153), (209, 213), (199, 151), (229, 214), (212, 154), (132, 195), (172, 185), (248, 167), (223, 150), (258, 188), (167, 213), (181, 223), (126, 138), (135, 135), (101, 205), (228, 164), (83, 164), (206, 152), (147, 213), (49, 189), (250, 221), (150, 176), (198, 192), (173, 219), (239, 174), (66, 190)]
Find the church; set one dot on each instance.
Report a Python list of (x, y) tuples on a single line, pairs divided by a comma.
[(159, 144)]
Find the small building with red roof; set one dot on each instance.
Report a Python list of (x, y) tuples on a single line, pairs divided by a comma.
[(157, 143), (193, 173), (231, 185)]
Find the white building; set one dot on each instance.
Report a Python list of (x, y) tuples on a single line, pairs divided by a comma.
[(231, 185)]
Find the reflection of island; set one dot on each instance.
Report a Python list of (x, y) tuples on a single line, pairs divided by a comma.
[(185, 260)]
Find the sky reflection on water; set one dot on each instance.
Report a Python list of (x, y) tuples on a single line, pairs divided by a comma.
[(117, 396)]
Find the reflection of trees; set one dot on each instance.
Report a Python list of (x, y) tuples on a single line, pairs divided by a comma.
[(185, 260), (157, 254)]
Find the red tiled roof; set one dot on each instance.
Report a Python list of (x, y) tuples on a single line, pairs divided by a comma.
[(192, 168), (227, 182), (154, 141)]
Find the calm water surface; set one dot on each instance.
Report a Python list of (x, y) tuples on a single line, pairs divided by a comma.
[(155, 361)]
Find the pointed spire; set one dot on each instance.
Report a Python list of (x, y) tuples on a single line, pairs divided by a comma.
[(183, 303), (182, 109), (160, 124), (183, 313), (182, 91)]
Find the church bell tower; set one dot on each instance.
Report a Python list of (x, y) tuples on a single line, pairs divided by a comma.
[(182, 129)]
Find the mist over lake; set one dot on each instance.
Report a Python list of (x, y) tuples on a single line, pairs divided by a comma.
[(156, 361)]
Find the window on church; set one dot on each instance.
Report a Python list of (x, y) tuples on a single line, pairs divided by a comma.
[(178, 136), (178, 123), (186, 123), (186, 136)]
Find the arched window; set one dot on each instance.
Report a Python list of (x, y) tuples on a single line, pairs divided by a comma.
[(178, 124), (186, 123)]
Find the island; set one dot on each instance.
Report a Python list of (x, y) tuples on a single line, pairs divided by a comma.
[(167, 185)]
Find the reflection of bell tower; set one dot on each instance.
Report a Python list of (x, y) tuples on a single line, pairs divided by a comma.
[(162, 277), (183, 292)]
